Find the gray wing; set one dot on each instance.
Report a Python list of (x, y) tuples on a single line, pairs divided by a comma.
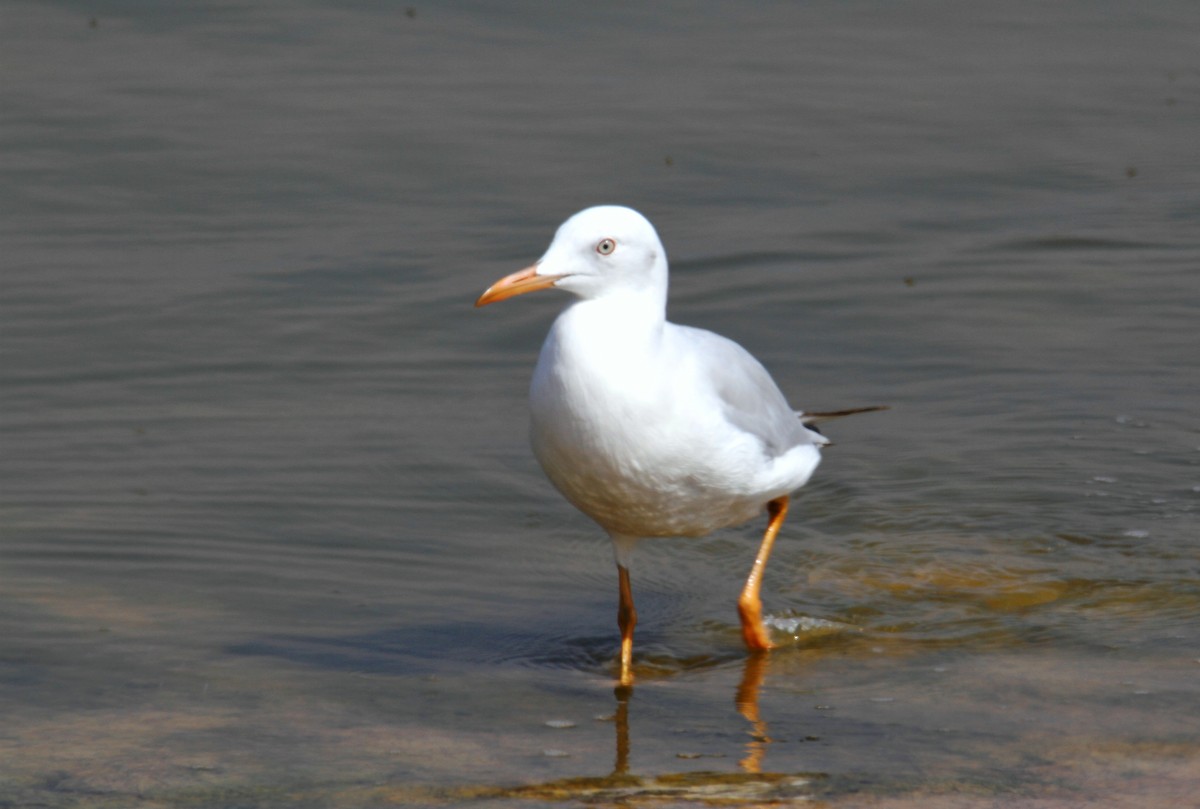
[(752, 401)]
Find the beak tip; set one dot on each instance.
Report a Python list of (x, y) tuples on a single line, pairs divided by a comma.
[(527, 280)]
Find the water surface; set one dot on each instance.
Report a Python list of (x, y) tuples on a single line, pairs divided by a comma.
[(270, 532)]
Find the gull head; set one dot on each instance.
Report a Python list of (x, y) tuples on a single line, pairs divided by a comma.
[(599, 251)]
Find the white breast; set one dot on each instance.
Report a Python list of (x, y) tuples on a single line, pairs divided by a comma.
[(631, 433)]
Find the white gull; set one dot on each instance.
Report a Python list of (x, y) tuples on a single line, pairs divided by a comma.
[(650, 428)]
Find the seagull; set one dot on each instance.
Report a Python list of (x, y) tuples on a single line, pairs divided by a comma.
[(650, 428)]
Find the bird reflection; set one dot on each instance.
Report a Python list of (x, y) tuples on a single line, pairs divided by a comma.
[(745, 698), (749, 785), (621, 718)]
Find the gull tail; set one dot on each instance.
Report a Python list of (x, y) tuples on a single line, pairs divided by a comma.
[(809, 419)]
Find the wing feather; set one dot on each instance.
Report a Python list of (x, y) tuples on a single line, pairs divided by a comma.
[(749, 397)]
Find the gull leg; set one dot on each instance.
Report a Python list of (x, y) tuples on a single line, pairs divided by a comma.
[(626, 620), (750, 604)]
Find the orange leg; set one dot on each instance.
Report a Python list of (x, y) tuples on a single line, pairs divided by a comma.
[(626, 620), (750, 603)]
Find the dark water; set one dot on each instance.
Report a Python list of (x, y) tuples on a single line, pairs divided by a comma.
[(270, 533)]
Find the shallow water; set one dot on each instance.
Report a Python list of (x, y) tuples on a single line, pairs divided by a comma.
[(270, 532)]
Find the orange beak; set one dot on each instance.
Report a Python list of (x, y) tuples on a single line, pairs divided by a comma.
[(526, 280)]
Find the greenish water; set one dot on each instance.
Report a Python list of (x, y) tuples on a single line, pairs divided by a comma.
[(270, 532)]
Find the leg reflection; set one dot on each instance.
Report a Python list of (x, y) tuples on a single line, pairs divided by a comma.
[(746, 700), (681, 785), (623, 693)]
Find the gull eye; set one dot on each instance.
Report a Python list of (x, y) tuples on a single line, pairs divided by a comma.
[(605, 247)]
